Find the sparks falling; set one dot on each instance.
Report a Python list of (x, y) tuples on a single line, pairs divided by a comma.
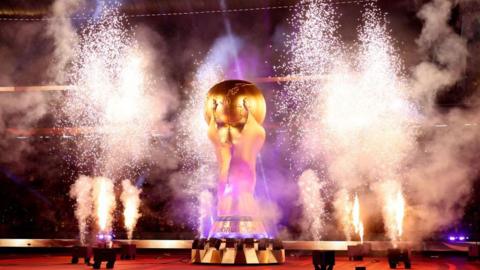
[(351, 110), (312, 50), (115, 94), (130, 198)]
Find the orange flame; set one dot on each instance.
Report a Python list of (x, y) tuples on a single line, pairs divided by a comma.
[(357, 223)]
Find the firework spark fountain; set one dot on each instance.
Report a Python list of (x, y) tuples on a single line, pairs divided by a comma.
[(348, 213), (115, 94), (81, 191), (312, 50), (104, 203), (358, 117), (130, 198), (356, 219), (393, 210)]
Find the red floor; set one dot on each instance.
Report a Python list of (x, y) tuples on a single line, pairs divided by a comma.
[(178, 261)]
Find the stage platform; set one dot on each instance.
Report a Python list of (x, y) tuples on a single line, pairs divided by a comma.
[(289, 245), (180, 261)]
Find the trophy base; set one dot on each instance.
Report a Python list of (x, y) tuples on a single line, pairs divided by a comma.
[(241, 251), (239, 227)]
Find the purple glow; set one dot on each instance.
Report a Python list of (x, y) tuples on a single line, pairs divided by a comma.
[(452, 238), (238, 235), (105, 236), (461, 238)]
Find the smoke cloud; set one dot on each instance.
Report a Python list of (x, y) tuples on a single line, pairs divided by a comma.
[(313, 207), (445, 53), (440, 177), (64, 35), (81, 191)]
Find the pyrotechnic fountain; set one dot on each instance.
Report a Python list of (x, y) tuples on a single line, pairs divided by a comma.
[(104, 205), (235, 111), (116, 97), (352, 119), (356, 219), (130, 198), (393, 210)]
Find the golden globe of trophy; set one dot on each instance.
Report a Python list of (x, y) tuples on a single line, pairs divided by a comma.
[(234, 111)]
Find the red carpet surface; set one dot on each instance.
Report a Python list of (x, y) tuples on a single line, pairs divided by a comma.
[(181, 261)]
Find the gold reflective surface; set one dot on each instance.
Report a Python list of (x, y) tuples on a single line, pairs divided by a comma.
[(234, 111)]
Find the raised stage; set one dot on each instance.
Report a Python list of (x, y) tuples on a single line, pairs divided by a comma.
[(289, 245)]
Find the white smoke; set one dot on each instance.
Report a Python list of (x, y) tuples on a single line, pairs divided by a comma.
[(64, 35), (393, 208), (206, 202), (81, 191), (130, 199), (440, 177), (343, 212), (445, 52), (313, 206)]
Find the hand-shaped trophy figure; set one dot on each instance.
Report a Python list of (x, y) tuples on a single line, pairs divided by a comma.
[(235, 111)]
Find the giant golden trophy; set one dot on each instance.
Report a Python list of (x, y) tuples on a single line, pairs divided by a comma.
[(235, 111)]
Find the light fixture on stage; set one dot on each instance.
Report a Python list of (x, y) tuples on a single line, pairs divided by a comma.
[(473, 251), (104, 255), (357, 252), (104, 252), (105, 240), (277, 244), (198, 250), (263, 244), (396, 256), (84, 252), (214, 242), (199, 243), (128, 251), (249, 243), (323, 259), (230, 243)]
